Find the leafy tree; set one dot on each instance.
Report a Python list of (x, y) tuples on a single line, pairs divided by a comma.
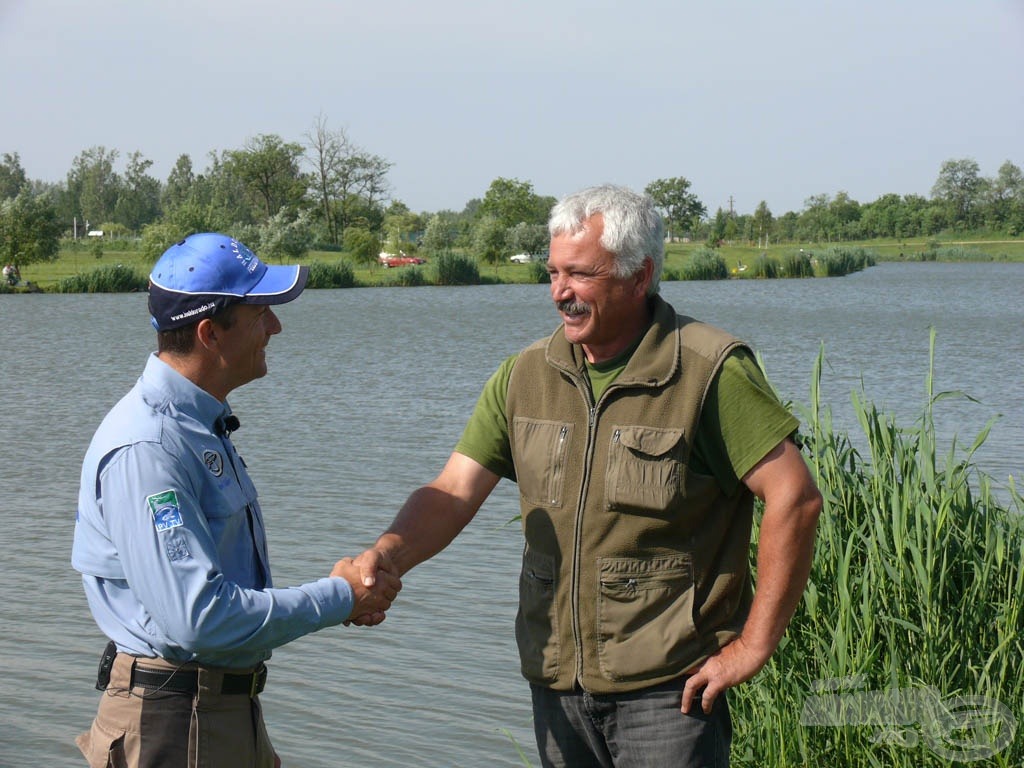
[(269, 168), (817, 221), (442, 231), (761, 223), (510, 201), (223, 192), (180, 184), (1004, 194), (959, 186), (362, 244), (29, 230), (286, 236), (93, 185), (159, 236), (12, 176), (489, 241), (681, 208), (527, 238), (138, 201), (844, 213), (401, 227)]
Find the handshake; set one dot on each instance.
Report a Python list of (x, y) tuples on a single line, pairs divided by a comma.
[(375, 584)]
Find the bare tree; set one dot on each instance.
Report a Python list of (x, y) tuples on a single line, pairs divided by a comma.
[(346, 178)]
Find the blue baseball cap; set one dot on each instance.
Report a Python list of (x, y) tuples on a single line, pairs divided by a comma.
[(207, 272)]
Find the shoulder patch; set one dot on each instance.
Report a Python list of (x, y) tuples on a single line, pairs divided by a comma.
[(165, 510)]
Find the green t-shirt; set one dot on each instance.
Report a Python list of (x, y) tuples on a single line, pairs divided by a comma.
[(741, 422)]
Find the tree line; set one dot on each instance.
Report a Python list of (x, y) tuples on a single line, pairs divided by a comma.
[(329, 193)]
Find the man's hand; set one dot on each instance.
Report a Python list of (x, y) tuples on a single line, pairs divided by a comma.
[(374, 567), (371, 600), (734, 664)]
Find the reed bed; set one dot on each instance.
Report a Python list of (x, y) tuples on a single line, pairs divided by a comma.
[(839, 261), (456, 269), (908, 647), (338, 274), (111, 278), (705, 264)]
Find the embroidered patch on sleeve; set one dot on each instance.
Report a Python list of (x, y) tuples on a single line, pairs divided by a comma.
[(166, 513), (177, 547)]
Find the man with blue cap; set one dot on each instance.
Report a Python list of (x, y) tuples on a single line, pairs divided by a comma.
[(169, 535)]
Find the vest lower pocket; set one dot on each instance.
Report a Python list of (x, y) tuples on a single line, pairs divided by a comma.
[(645, 624), (536, 621)]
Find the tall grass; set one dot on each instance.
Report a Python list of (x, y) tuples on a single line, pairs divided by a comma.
[(797, 264), (112, 278), (917, 588), (705, 264), (337, 274), (405, 277), (839, 261), (456, 269), (764, 266)]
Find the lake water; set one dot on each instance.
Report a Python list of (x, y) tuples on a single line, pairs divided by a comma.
[(367, 393)]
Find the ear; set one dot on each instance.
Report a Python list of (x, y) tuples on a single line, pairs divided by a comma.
[(643, 277), (207, 333)]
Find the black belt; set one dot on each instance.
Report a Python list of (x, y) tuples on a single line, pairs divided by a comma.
[(187, 681)]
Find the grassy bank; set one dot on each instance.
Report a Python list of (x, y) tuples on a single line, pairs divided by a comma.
[(908, 645), (740, 261)]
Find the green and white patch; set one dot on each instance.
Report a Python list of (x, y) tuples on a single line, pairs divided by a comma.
[(165, 510)]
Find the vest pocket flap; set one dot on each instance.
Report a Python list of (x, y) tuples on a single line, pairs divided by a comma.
[(650, 441)]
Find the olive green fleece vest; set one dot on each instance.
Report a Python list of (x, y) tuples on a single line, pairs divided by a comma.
[(635, 568)]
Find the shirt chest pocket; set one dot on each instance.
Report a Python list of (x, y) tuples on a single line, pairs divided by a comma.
[(644, 469)]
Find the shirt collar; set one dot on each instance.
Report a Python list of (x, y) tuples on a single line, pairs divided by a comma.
[(162, 385)]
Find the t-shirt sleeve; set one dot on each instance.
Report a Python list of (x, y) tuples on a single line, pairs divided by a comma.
[(485, 438), (741, 423)]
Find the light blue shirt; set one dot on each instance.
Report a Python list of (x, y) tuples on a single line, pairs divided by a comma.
[(169, 536)]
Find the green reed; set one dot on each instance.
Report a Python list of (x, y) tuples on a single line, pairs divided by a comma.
[(111, 278), (338, 274), (705, 264), (917, 588)]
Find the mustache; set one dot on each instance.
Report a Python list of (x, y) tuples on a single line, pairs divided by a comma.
[(570, 307)]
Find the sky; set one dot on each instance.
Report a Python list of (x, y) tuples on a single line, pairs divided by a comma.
[(749, 100)]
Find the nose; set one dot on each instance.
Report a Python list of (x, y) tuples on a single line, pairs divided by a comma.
[(559, 287), (273, 324)]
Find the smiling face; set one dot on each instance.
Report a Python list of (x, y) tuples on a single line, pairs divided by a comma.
[(243, 346), (601, 311)]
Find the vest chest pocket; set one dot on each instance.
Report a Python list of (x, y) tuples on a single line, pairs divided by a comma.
[(539, 449), (644, 469)]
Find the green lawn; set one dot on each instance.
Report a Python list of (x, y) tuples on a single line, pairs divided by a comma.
[(73, 260)]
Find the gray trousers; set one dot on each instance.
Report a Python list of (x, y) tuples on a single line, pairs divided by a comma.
[(576, 729)]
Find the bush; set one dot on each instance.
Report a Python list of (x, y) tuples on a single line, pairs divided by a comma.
[(705, 264), (456, 269), (336, 275), (113, 278), (406, 277)]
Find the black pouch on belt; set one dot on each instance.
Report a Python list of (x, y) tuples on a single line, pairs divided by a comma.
[(106, 662)]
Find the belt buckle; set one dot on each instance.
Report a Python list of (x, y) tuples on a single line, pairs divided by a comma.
[(259, 677)]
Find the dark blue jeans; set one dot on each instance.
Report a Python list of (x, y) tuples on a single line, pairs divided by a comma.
[(641, 729)]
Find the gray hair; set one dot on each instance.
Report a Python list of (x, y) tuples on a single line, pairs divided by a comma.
[(633, 229)]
